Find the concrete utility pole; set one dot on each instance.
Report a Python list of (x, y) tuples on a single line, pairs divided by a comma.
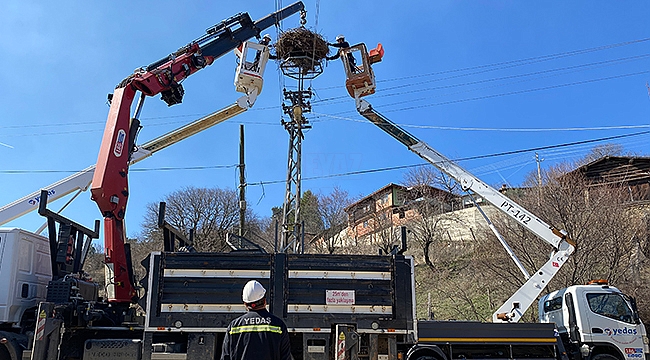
[(242, 182), (539, 178), (539, 169)]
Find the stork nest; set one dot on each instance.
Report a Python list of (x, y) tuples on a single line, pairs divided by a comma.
[(301, 48)]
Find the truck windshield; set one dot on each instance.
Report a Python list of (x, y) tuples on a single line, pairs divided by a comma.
[(612, 306)]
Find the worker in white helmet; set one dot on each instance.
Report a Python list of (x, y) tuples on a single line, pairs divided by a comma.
[(341, 44), (266, 39), (258, 334)]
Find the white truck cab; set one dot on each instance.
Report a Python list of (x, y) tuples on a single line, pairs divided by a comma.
[(25, 271), (596, 320)]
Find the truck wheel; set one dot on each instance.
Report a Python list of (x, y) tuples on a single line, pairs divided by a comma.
[(4, 353), (604, 357)]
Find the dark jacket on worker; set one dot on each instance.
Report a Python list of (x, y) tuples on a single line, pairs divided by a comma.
[(256, 335), (341, 45)]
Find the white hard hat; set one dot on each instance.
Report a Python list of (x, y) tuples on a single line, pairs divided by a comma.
[(253, 291), (340, 37), (266, 36)]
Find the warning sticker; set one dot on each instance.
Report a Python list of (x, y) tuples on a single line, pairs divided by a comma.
[(339, 297)]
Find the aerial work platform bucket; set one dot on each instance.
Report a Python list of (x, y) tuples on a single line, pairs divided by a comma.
[(360, 79), (250, 70)]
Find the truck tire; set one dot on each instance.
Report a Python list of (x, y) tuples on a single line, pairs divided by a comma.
[(4, 353), (604, 357)]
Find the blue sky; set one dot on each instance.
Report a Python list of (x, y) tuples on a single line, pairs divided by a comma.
[(451, 75)]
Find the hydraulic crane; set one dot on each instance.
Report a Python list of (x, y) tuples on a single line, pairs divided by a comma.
[(360, 81), (110, 181)]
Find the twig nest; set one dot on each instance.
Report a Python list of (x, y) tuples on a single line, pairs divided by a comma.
[(301, 48)]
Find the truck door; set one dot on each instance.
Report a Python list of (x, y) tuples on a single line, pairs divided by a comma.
[(611, 320)]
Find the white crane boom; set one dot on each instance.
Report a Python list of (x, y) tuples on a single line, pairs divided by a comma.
[(520, 301), (360, 81), (81, 181)]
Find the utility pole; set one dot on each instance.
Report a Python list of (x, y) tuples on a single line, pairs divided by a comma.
[(539, 169), (242, 182), (291, 220), (539, 178), (300, 67)]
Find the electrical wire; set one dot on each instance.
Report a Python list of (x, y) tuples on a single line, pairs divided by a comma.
[(582, 67), (321, 102), (517, 92), (457, 128), (278, 28), (351, 173), (51, 125), (513, 63), (170, 168), (369, 171), (337, 117), (489, 96)]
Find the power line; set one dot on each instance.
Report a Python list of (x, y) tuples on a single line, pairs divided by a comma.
[(554, 146), (508, 93), (359, 172), (369, 171), (477, 89), (513, 63), (391, 104), (435, 127), (457, 128), (521, 61), (581, 67), (170, 168), (51, 125)]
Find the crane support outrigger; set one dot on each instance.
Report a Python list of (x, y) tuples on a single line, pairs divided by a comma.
[(360, 82)]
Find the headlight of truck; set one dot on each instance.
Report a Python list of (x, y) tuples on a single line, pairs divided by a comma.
[(645, 339)]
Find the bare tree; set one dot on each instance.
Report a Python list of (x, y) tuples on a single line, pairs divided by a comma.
[(445, 242), (427, 175), (431, 215), (383, 231), (595, 217), (601, 151), (331, 208), (212, 213)]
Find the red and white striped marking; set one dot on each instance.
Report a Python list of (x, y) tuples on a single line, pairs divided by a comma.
[(40, 325), (340, 347)]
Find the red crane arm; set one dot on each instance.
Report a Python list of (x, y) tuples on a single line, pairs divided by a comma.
[(109, 188)]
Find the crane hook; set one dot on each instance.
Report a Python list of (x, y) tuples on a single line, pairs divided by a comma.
[(303, 17)]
